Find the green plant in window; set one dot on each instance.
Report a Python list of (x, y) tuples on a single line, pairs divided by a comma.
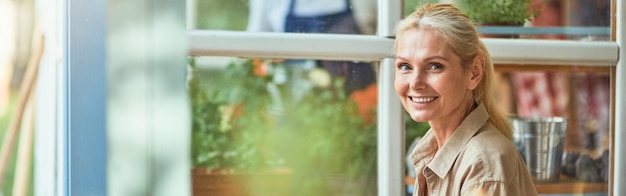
[(320, 134), (327, 121), (231, 126), (411, 5), (497, 12), (220, 14), (487, 12), (325, 141)]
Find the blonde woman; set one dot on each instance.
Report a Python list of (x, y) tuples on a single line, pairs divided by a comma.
[(444, 77)]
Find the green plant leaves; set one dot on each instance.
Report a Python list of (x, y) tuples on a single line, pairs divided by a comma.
[(497, 12), (230, 124), (319, 134)]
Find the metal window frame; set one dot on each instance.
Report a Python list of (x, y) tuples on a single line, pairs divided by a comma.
[(619, 145), (83, 135)]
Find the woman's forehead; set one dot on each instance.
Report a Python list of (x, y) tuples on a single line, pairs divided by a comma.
[(418, 40)]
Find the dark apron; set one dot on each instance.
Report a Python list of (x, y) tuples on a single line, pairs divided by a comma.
[(338, 23)]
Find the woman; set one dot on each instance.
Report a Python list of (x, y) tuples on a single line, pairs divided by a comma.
[(444, 76)]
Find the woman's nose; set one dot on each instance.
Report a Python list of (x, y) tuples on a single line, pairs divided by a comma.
[(416, 81)]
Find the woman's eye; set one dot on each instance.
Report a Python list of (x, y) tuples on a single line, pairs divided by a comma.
[(435, 66), (404, 67)]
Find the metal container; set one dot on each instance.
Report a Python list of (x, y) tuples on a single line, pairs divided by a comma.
[(540, 141)]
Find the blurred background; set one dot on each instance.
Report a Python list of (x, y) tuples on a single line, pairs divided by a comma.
[(314, 121), (17, 23)]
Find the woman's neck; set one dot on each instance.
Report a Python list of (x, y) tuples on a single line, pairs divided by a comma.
[(444, 127)]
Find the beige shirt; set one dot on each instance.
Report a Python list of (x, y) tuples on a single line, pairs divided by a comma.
[(476, 160)]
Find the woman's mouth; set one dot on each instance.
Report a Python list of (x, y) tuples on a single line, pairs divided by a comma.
[(422, 99)]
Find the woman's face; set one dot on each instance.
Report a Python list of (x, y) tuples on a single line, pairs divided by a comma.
[(429, 78)]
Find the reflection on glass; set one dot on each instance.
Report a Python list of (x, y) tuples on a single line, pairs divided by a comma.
[(283, 127)]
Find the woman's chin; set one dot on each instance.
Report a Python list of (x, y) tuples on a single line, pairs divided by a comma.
[(419, 117)]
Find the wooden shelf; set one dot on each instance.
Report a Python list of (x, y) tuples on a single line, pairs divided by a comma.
[(566, 185)]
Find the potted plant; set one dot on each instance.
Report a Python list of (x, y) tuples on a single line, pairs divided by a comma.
[(497, 12), (232, 131)]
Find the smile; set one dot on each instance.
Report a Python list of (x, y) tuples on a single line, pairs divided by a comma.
[(423, 99)]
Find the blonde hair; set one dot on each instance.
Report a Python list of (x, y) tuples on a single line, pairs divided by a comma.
[(459, 33)]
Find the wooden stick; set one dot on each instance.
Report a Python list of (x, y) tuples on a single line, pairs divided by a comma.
[(30, 78), (25, 150)]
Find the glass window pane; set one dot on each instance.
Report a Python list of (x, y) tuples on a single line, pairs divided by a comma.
[(298, 16), (283, 127), (581, 95), (584, 20)]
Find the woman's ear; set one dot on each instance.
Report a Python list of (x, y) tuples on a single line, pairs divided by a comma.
[(477, 70)]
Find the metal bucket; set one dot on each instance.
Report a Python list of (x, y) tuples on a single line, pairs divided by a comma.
[(540, 141)]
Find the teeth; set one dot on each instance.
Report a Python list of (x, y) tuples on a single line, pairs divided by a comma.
[(423, 99)]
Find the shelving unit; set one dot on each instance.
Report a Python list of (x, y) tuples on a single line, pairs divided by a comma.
[(566, 185)]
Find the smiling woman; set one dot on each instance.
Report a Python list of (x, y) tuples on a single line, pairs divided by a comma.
[(444, 77), (431, 84)]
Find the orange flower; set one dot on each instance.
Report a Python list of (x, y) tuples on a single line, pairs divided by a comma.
[(366, 101), (260, 67)]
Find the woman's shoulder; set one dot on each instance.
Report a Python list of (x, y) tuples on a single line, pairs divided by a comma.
[(489, 140), (491, 158), (492, 150)]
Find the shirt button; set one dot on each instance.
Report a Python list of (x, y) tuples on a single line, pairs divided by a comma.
[(428, 173)]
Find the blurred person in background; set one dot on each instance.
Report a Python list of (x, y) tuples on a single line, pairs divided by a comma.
[(273, 15), (319, 16)]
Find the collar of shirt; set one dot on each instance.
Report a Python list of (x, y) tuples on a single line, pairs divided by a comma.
[(444, 159)]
